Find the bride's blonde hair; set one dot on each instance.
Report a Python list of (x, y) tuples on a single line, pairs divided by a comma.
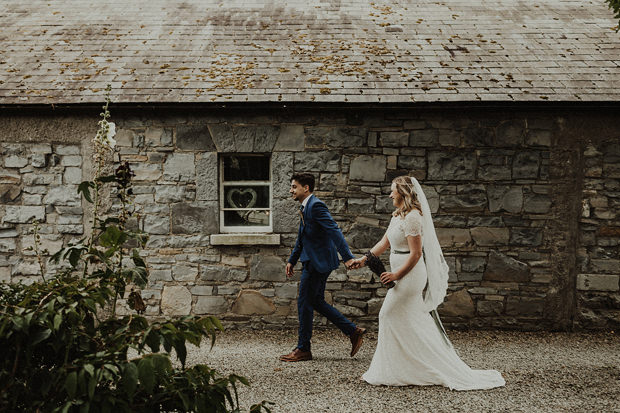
[(404, 187)]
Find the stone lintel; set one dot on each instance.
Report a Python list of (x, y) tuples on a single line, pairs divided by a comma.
[(245, 239)]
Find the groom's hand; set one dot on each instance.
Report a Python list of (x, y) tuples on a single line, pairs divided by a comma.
[(289, 270), (349, 263)]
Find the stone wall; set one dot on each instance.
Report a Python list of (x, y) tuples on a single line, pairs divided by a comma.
[(37, 182), (502, 187), (599, 231)]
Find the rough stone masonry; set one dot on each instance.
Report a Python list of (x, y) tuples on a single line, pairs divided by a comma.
[(525, 204)]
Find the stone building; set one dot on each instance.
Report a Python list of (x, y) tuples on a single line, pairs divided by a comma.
[(507, 113)]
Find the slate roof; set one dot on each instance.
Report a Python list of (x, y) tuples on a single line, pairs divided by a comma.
[(308, 50)]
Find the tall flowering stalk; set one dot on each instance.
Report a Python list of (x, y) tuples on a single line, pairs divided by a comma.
[(104, 144), (107, 243), (37, 242)]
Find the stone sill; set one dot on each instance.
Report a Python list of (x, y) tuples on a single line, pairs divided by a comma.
[(245, 239)]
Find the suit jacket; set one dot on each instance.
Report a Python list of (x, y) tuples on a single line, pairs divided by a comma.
[(319, 239)]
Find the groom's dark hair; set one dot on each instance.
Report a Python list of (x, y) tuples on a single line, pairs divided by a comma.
[(304, 179)]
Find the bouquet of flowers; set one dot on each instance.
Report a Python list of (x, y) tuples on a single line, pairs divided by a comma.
[(376, 266)]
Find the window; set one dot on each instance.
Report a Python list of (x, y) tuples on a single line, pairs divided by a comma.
[(245, 193)]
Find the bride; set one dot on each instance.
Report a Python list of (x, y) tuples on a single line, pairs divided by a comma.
[(413, 348)]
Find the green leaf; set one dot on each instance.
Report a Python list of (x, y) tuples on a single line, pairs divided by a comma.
[(109, 220), (90, 304), (146, 374), (130, 379), (187, 404), (90, 369), (19, 322), (137, 275), (242, 380), (122, 238), (28, 318), (217, 323), (95, 255), (57, 321), (74, 256), (66, 407), (110, 372), (71, 384), (92, 384), (56, 257), (106, 178), (167, 343), (39, 336), (82, 381), (153, 341), (258, 408), (105, 239), (137, 259), (161, 364), (179, 346), (113, 237), (84, 188)]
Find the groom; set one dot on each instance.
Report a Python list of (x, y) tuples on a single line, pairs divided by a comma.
[(318, 240)]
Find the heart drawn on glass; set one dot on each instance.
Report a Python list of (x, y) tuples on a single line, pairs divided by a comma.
[(241, 198)]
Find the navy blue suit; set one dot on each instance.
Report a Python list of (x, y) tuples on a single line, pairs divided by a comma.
[(319, 241)]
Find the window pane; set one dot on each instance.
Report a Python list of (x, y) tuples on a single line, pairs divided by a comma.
[(246, 218), (246, 196), (246, 168)]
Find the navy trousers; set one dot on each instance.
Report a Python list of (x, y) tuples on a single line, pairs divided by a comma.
[(312, 298)]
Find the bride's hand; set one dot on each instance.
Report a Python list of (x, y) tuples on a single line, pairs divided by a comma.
[(358, 263), (387, 277)]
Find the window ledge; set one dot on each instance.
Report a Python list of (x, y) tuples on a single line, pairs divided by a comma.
[(245, 239)]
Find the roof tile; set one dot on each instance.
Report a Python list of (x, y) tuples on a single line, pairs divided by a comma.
[(65, 51)]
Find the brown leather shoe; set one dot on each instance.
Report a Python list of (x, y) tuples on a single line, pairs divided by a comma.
[(296, 355), (357, 337)]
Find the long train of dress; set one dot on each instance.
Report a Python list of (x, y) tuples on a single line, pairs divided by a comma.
[(411, 349)]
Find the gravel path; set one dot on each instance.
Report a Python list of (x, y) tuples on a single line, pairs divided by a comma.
[(544, 372)]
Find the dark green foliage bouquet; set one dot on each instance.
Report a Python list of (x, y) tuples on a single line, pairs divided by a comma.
[(61, 352), (615, 6)]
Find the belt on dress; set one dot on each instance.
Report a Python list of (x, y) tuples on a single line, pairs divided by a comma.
[(399, 252)]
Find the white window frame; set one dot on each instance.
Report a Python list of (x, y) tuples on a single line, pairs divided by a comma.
[(245, 229)]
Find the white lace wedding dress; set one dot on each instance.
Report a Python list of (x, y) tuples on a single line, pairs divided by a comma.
[(411, 349)]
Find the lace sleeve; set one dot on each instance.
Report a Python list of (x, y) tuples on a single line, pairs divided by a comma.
[(412, 225)]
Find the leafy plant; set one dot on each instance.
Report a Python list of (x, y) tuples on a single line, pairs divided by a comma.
[(61, 354), (615, 6)]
